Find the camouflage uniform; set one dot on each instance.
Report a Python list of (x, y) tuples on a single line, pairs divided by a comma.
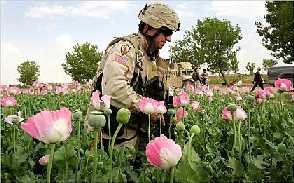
[(128, 72)]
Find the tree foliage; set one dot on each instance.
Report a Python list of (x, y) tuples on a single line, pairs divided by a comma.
[(268, 63), (278, 34), (234, 63), (82, 63), (185, 51), (29, 72), (211, 41), (250, 67)]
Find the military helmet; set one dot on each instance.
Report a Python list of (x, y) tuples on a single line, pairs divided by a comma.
[(160, 15)]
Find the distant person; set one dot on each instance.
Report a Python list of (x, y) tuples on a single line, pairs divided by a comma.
[(257, 80), (196, 78), (195, 75), (204, 77)]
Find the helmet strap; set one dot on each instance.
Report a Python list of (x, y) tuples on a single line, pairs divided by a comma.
[(150, 41), (150, 51)]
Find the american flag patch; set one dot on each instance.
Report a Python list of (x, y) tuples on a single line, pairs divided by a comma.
[(121, 59)]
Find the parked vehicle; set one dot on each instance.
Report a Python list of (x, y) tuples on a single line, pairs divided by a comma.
[(283, 72), (179, 74)]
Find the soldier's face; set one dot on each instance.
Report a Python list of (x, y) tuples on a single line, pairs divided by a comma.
[(162, 36), (160, 40)]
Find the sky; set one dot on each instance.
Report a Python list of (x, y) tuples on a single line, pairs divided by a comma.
[(44, 31)]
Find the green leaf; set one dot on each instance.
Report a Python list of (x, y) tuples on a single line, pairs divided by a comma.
[(235, 165), (258, 162), (59, 155), (192, 157)]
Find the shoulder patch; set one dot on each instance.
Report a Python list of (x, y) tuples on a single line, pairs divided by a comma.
[(124, 49)]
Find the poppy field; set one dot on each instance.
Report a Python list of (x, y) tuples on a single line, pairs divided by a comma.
[(216, 134)]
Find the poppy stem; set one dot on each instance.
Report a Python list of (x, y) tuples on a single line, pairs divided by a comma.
[(79, 155), (13, 138), (160, 126), (149, 126), (66, 163), (239, 138), (172, 175), (95, 155), (109, 131), (49, 166), (111, 149)]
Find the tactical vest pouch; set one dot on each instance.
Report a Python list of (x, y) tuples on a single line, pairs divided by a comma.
[(154, 88)]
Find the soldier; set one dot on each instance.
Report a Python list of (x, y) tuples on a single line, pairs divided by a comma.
[(196, 77), (204, 77), (131, 68), (257, 80)]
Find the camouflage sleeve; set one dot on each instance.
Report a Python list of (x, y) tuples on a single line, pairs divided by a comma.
[(117, 75)]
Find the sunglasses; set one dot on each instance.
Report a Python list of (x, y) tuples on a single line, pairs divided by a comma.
[(165, 31)]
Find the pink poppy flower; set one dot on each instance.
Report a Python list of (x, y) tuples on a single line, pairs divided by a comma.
[(196, 106), (76, 83), (176, 101), (240, 114), (163, 153), (233, 88), (238, 97), (184, 98), (147, 105), (260, 94), (190, 87), (13, 90), (227, 115), (269, 91), (8, 101), (283, 84), (44, 160), (198, 91), (160, 108), (106, 101), (60, 89), (216, 88), (259, 100), (100, 104), (180, 114), (95, 99), (49, 126), (3, 88), (49, 87), (208, 93)]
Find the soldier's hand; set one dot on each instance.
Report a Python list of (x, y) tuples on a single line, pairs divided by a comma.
[(155, 117)]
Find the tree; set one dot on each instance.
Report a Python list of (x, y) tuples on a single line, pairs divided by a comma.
[(82, 63), (250, 67), (211, 41), (184, 51), (234, 63), (29, 72), (278, 35), (268, 63)]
